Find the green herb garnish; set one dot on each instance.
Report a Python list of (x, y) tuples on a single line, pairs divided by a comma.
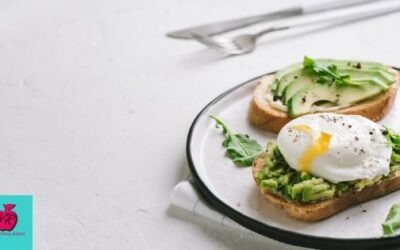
[(393, 140), (240, 147), (392, 221), (326, 74)]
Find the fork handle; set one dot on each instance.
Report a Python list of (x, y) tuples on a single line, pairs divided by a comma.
[(331, 5), (378, 10), (344, 18), (306, 9)]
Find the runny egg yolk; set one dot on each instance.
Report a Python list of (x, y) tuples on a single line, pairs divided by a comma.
[(318, 148)]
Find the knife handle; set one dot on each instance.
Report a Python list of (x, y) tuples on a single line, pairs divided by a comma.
[(284, 13), (331, 5), (276, 15), (378, 10), (299, 10), (239, 23)]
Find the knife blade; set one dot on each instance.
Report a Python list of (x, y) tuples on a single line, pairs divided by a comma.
[(233, 24)]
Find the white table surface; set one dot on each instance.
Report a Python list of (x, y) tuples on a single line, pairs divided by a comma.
[(96, 103)]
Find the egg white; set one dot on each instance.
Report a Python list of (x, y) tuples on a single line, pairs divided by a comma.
[(357, 149)]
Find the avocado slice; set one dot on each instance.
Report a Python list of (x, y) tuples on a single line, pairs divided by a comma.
[(381, 76), (289, 78), (287, 70), (338, 63), (302, 101), (358, 76), (292, 72), (295, 86)]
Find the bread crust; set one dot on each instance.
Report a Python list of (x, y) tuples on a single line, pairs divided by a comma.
[(266, 117), (324, 209)]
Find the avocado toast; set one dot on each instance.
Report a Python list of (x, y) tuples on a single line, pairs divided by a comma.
[(312, 176), (323, 85)]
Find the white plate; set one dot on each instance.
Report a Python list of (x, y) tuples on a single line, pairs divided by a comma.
[(233, 192)]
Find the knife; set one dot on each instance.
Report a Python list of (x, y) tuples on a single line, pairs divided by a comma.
[(233, 24)]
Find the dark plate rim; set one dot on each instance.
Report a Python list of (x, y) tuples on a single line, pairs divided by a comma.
[(269, 231)]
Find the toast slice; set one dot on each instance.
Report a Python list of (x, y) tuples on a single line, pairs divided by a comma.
[(324, 209), (264, 116)]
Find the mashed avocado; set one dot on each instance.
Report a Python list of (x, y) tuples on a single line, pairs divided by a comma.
[(276, 176)]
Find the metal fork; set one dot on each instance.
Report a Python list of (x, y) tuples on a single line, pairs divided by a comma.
[(246, 43), (234, 46)]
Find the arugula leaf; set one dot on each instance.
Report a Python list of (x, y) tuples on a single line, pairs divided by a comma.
[(326, 74), (392, 138), (241, 149), (392, 221)]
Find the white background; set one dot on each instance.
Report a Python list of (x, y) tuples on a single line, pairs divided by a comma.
[(96, 103)]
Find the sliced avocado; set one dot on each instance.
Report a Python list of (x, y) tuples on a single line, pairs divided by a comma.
[(372, 81), (339, 63), (287, 70), (379, 75), (294, 87), (289, 78), (351, 64), (358, 76), (292, 72), (302, 101)]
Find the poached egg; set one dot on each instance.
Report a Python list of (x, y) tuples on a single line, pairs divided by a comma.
[(335, 147)]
